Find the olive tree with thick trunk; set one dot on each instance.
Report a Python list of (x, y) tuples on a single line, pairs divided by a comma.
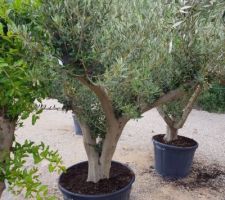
[(111, 52)]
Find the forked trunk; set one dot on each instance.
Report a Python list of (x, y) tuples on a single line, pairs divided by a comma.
[(171, 134), (7, 129), (99, 165)]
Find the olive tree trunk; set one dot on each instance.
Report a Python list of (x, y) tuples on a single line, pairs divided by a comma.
[(7, 129), (99, 164), (171, 134)]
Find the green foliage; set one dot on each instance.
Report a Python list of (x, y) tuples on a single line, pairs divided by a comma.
[(73, 33), (19, 86), (196, 48), (110, 42), (197, 34), (24, 178), (213, 100)]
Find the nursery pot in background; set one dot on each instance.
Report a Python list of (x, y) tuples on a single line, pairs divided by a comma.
[(77, 127), (67, 181), (173, 161)]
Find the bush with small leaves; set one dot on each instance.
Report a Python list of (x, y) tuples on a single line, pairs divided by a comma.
[(22, 177), (19, 89)]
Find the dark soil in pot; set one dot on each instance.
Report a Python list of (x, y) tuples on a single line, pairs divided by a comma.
[(73, 183), (180, 142)]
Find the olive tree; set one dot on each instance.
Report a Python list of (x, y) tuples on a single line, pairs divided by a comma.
[(114, 57), (197, 53)]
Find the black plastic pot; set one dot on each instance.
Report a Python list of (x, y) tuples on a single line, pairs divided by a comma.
[(172, 161), (123, 194), (77, 127)]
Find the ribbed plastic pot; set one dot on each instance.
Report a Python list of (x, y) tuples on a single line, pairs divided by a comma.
[(122, 194), (77, 127), (172, 161)]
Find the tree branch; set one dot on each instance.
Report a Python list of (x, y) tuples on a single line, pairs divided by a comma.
[(166, 118), (189, 107), (89, 141), (102, 95), (170, 96)]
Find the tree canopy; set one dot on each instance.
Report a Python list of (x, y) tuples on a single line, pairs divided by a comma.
[(136, 50)]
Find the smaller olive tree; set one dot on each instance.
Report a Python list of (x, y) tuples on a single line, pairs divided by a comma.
[(176, 113), (197, 54)]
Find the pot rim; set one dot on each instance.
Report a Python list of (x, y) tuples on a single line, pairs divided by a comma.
[(100, 195), (169, 146)]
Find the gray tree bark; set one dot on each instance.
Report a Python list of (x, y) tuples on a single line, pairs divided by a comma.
[(99, 164), (171, 134)]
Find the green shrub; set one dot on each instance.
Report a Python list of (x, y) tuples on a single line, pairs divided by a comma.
[(213, 100)]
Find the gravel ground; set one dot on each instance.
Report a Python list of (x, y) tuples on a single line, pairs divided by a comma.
[(206, 182)]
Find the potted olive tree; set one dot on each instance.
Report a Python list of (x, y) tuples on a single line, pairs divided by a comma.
[(19, 90), (108, 50), (173, 153), (197, 53)]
